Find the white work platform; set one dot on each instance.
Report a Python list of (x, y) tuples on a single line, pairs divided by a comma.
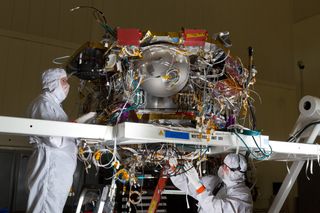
[(215, 141), (138, 133), (27, 126)]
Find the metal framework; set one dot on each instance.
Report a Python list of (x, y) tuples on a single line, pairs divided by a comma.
[(137, 133)]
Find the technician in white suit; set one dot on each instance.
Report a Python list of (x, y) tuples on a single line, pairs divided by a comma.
[(53, 162), (226, 193)]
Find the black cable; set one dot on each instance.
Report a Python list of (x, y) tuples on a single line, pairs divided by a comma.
[(298, 133), (253, 116), (99, 17), (180, 167)]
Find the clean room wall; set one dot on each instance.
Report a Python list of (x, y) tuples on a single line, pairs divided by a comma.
[(33, 32), (305, 9), (306, 49), (23, 58)]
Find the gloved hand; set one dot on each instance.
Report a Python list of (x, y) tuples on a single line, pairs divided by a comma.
[(193, 177), (173, 162), (86, 117)]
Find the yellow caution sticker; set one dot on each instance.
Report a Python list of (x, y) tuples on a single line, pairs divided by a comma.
[(139, 115)]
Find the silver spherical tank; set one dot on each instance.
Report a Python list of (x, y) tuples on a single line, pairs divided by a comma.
[(165, 71)]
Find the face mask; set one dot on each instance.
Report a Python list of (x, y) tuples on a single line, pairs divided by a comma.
[(66, 89), (225, 176), (221, 173), (61, 92)]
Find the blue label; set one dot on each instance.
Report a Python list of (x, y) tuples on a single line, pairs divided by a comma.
[(179, 135)]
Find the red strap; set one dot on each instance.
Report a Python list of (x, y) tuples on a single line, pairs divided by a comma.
[(157, 193)]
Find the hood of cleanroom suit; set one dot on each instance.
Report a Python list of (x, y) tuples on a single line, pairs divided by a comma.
[(53, 162), (51, 82), (234, 161)]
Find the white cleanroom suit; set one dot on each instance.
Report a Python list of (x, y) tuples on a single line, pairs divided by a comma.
[(53, 162), (233, 196)]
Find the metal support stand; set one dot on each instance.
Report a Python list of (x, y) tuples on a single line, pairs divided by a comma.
[(102, 200), (81, 199), (291, 177)]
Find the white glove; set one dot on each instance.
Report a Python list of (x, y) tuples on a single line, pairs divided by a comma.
[(173, 162), (193, 177), (86, 117)]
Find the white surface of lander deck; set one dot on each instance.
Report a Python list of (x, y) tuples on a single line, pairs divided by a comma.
[(137, 133)]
